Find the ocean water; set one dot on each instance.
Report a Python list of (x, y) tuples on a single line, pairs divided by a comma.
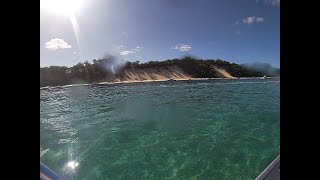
[(213, 129)]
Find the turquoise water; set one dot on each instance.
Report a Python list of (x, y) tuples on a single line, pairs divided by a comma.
[(214, 129)]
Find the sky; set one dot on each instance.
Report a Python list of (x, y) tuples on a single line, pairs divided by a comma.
[(239, 31)]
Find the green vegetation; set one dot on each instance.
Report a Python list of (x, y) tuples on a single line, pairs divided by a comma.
[(108, 69)]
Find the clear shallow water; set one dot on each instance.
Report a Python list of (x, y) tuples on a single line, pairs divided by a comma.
[(218, 129)]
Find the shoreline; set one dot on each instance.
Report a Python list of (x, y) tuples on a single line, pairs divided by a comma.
[(158, 80)]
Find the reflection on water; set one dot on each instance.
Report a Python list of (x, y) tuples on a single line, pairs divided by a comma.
[(72, 165)]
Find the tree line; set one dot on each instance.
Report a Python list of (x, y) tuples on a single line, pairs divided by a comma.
[(107, 69)]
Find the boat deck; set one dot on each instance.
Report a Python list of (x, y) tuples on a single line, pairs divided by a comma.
[(48, 174), (272, 172)]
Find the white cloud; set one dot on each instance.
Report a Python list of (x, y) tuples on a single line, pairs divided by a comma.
[(182, 47), (126, 53), (57, 43), (252, 19), (134, 50), (74, 52), (120, 46), (137, 49)]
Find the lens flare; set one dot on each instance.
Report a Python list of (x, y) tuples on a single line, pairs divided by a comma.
[(61, 7), (66, 8)]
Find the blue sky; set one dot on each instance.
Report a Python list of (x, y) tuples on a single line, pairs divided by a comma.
[(240, 31)]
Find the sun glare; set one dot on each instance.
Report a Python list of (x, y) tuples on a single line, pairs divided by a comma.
[(61, 7), (72, 164)]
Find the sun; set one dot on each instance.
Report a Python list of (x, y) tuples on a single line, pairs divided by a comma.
[(61, 7)]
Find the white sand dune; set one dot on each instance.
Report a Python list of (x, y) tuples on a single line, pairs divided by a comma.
[(151, 74), (161, 74), (221, 73)]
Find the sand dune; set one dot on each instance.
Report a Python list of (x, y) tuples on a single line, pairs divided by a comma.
[(150, 74), (221, 73), (160, 74)]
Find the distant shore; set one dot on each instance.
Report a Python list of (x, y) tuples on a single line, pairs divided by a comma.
[(108, 71), (158, 80)]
